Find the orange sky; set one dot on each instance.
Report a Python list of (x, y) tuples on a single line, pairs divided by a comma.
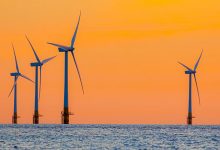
[(127, 52)]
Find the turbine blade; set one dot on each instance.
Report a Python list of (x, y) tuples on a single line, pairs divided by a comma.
[(197, 63), (25, 77), (77, 71), (48, 59), (11, 90), (58, 45), (40, 81), (197, 87), (16, 62), (13, 86), (185, 66), (75, 33), (37, 58)]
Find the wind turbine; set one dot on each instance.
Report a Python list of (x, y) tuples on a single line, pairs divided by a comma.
[(191, 72), (16, 75), (66, 49), (37, 65)]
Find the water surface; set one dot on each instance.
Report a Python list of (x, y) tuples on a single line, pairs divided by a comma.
[(109, 137)]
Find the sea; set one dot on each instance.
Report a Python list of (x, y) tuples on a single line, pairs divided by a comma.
[(109, 137)]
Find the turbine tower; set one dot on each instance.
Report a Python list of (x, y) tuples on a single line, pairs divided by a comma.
[(65, 49), (191, 72), (38, 65), (16, 75)]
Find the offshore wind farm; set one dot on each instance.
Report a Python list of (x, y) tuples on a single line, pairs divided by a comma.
[(38, 70), (66, 49), (113, 69), (109, 74)]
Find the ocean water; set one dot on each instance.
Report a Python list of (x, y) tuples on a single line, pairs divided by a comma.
[(109, 137)]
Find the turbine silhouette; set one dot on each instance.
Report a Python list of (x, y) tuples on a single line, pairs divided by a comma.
[(191, 72), (66, 49), (16, 75), (37, 65)]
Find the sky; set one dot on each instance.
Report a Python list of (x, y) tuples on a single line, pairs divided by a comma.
[(127, 52)]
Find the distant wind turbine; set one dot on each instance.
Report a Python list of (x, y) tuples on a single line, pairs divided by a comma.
[(191, 72), (37, 65), (16, 75), (66, 49)]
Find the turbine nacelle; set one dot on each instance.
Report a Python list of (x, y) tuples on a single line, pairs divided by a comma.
[(61, 49), (15, 74), (34, 64), (190, 72)]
